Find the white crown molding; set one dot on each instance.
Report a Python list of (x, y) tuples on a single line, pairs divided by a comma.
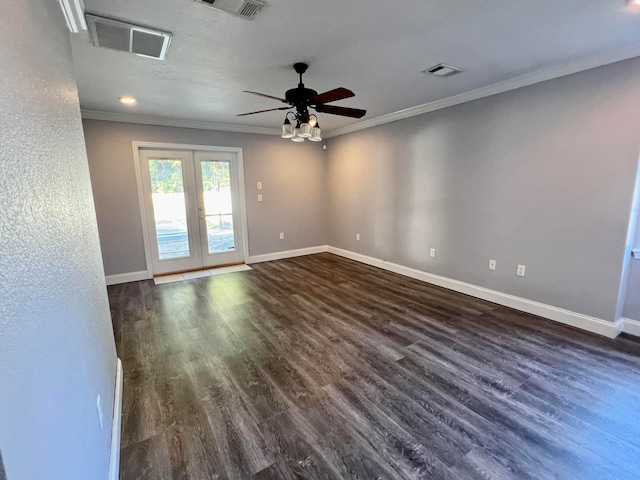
[(74, 15), (175, 122), (560, 70)]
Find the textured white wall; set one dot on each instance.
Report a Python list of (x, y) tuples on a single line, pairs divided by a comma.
[(56, 343), (541, 176)]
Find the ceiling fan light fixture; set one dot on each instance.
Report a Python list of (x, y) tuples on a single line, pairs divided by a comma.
[(316, 134), (296, 134), (287, 129), (305, 130), (300, 99)]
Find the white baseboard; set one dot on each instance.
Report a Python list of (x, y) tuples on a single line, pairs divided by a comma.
[(568, 317), (268, 257), (632, 327), (127, 277), (578, 320), (114, 459)]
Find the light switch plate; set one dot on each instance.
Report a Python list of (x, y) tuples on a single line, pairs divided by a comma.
[(432, 253), (521, 270), (259, 184), (492, 264)]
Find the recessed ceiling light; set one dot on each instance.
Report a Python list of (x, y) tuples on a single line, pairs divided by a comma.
[(127, 100)]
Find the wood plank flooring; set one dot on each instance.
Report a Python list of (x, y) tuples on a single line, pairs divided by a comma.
[(318, 367)]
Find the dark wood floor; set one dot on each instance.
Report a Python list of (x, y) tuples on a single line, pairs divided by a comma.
[(322, 368)]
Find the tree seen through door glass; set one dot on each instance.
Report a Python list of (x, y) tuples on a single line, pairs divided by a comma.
[(216, 186), (169, 208)]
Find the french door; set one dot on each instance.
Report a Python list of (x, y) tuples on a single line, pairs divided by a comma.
[(192, 203)]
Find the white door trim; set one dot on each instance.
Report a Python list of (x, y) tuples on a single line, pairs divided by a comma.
[(193, 259), (137, 145)]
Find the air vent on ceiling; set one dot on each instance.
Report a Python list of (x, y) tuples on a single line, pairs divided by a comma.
[(242, 8), (442, 70), (146, 42)]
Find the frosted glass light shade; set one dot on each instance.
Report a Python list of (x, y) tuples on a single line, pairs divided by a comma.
[(287, 131), (305, 130), (297, 139), (315, 134)]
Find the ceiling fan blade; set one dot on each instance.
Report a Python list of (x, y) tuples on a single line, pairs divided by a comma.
[(333, 95), (266, 96), (344, 111), (262, 111)]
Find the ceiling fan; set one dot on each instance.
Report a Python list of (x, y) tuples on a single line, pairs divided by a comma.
[(301, 99)]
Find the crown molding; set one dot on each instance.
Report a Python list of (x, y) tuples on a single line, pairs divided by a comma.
[(175, 122), (560, 70)]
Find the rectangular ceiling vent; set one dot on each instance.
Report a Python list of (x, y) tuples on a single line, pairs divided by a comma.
[(442, 70), (126, 37), (241, 8)]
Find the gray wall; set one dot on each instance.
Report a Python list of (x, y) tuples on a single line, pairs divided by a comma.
[(632, 304), (541, 176), (632, 298), (293, 178), (56, 343)]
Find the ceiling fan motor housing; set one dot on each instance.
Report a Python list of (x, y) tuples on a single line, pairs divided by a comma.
[(300, 97), (300, 67)]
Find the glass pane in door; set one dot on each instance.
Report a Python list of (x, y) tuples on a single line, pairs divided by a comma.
[(169, 208), (216, 186)]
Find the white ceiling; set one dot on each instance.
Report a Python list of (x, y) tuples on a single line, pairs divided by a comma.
[(375, 48)]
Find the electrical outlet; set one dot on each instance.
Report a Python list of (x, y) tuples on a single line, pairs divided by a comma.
[(259, 184), (99, 408), (492, 264), (432, 253), (281, 235), (259, 198), (357, 236), (520, 271)]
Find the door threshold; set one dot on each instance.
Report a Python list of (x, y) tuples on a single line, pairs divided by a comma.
[(203, 273), (180, 272)]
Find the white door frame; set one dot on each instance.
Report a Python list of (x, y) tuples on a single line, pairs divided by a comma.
[(137, 145)]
